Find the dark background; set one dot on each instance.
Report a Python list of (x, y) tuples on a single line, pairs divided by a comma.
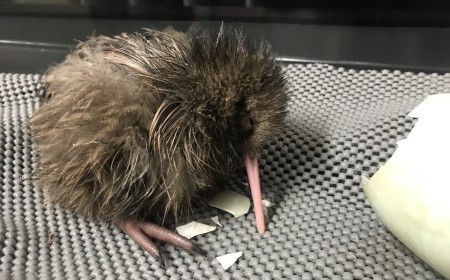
[(406, 35)]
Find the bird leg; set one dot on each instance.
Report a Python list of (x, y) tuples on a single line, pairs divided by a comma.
[(143, 232)]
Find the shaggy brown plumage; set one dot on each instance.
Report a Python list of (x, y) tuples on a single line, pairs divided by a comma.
[(141, 124)]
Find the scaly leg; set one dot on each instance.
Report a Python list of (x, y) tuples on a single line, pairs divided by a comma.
[(142, 233)]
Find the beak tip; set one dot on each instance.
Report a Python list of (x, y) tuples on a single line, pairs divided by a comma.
[(261, 229)]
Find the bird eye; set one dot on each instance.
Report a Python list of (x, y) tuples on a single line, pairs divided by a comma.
[(251, 121), (149, 35), (248, 124), (81, 55)]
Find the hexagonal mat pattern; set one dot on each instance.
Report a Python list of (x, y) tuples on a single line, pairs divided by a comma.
[(342, 124)]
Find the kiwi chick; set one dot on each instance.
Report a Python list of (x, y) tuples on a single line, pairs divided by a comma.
[(137, 126)]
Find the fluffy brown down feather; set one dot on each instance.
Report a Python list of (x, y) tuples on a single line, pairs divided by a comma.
[(140, 124)]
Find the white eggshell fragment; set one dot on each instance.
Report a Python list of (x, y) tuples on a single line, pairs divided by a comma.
[(267, 203), (226, 261), (231, 202), (193, 229), (215, 219), (411, 192)]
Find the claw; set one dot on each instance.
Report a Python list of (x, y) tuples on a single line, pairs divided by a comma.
[(143, 232), (197, 250), (161, 260)]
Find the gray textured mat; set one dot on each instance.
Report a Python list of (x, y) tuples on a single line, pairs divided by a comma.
[(342, 124)]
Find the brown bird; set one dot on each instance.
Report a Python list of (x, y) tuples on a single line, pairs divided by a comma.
[(138, 126)]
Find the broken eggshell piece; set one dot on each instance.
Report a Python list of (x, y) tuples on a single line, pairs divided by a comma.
[(226, 261), (193, 229), (215, 219), (411, 192), (231, 202), (266, 203)]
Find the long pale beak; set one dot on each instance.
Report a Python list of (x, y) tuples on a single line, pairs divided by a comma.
[(253, 178)]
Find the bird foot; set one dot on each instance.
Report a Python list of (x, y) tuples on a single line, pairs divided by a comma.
[(143, 232)]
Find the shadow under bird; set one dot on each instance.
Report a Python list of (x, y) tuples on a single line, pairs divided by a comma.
[(139, 126)]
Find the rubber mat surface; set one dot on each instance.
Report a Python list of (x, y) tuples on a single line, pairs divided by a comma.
[(342, 124)]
